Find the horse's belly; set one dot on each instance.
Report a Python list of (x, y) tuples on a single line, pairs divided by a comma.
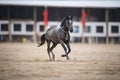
[(53, 36), (54, 39)]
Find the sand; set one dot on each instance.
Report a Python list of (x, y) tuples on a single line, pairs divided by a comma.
[(20, 61)]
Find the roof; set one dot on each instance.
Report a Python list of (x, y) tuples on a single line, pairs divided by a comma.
[(65, 3)]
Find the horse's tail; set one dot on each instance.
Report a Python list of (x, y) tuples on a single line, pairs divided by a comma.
[(42, 40)]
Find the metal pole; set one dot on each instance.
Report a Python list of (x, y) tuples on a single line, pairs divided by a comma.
[(107, 20), (35, 14), (83, 29), (83, 38), (45, 8)]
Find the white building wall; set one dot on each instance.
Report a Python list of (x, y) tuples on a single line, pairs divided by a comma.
[(93, 26), (3, 32), (23, 28), (110, 27)]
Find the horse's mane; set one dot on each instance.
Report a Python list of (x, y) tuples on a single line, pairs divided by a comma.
[(66, 18), (63, 22)]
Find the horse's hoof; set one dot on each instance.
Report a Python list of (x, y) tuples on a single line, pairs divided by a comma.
[(68, 58), (63, 55), (38, 46)]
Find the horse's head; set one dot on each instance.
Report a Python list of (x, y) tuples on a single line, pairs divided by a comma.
[(69, 23)]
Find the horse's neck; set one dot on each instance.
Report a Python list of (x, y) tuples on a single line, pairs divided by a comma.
[(65, 29)]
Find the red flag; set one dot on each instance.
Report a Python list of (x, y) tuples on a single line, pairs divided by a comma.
[(45, 15), (84, 15)]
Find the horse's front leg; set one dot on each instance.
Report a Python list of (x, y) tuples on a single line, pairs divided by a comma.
[(69, 50), (68, 46), (65, 49)]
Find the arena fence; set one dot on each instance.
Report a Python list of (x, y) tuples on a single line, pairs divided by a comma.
[(94, 32)]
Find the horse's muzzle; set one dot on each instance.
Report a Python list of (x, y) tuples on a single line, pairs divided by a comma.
[(71, 29)]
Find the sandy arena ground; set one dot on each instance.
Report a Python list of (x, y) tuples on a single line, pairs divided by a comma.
[(88, 62)]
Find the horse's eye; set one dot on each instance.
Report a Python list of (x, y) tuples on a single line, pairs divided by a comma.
[(70, 22)]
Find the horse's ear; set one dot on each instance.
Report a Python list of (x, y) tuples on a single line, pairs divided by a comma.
[(71, 17), (67, 17)]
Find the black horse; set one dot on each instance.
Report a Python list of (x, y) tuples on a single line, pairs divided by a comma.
[(58, 35)]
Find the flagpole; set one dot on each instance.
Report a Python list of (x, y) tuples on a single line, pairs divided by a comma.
[(45, 17), (83, 38), (83, 26)]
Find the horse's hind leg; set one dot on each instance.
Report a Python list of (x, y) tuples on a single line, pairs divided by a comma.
[(53, 46), (48, 49)]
